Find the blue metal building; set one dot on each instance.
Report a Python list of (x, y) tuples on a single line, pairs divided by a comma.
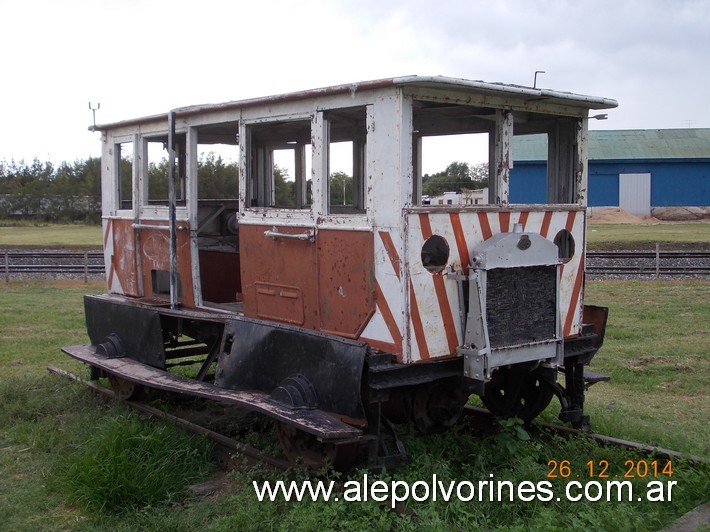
[(633, 169)]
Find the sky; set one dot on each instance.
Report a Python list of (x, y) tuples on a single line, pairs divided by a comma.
[(145, 57)]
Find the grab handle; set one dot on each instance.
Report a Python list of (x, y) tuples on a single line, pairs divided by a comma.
[(309, 235)]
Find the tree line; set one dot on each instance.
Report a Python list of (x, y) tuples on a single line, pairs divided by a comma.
[(41, 191), (456, 177), (71, 192)]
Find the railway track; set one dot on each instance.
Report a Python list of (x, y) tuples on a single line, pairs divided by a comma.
[(21, 264), (226, 447), (666, 264), (90, 264)]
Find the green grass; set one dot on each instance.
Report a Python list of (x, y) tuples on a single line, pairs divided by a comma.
[(124, 465), (19, 235), (657, 351), (649, 234), (56, 439)]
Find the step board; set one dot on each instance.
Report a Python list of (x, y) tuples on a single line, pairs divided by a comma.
[(591, 377), (313, 421)]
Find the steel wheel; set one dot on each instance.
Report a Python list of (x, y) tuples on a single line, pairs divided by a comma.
[(438, 406), (517, 394), (305, 450), (126, 390)]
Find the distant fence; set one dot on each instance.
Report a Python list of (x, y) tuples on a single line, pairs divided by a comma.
[(90, 264)]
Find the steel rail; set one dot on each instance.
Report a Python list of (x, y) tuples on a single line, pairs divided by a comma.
[(226, 446), (651, 450)]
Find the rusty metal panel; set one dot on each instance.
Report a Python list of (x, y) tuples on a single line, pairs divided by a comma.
[(278, 264), (279, 302), (120, 253), (155, 255), (346, 280)]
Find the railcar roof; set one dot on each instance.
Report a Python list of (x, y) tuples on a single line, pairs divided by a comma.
[(425, 82)]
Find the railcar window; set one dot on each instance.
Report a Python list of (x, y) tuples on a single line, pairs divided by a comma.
[(218, 185), (156, 170), (347, 135), (123, 153), (279, 155), (218, 172), (546, 159), (451, 148), (454, 169)]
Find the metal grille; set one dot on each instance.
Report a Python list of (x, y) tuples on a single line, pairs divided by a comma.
[(521, 305)]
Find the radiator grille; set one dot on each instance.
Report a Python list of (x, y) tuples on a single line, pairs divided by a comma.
[(521, 305)]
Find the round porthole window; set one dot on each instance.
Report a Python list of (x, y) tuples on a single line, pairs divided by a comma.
[(435, 254), (565, 245)]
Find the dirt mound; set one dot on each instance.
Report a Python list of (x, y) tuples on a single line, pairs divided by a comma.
[(616, 215)]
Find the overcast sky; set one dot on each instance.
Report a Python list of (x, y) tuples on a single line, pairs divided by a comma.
[(143, 57)]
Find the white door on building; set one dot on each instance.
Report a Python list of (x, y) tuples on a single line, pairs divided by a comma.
[(635, 193)]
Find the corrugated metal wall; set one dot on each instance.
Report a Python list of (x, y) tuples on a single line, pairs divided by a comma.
[(673, 183), (635, 193)]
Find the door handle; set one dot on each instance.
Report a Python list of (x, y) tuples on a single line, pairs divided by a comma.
[(309, 235)]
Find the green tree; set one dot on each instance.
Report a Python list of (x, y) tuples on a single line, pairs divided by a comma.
[(217, 179), (284, 189), (456, 177), (341, 189)]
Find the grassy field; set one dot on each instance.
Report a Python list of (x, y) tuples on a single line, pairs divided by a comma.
[(23, 235), (16, 234), (646, 235), (657, 351), (67, 459)]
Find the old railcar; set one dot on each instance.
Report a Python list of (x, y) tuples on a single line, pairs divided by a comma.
[(334, 311)]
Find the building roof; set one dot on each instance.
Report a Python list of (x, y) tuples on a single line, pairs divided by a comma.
[(626, 144)]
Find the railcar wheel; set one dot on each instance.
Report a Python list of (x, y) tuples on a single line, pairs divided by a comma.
[(127, 390), (438, 406), (306, 450), (516, 394)]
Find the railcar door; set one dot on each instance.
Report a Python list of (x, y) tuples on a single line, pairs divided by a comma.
[(293, 269)]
